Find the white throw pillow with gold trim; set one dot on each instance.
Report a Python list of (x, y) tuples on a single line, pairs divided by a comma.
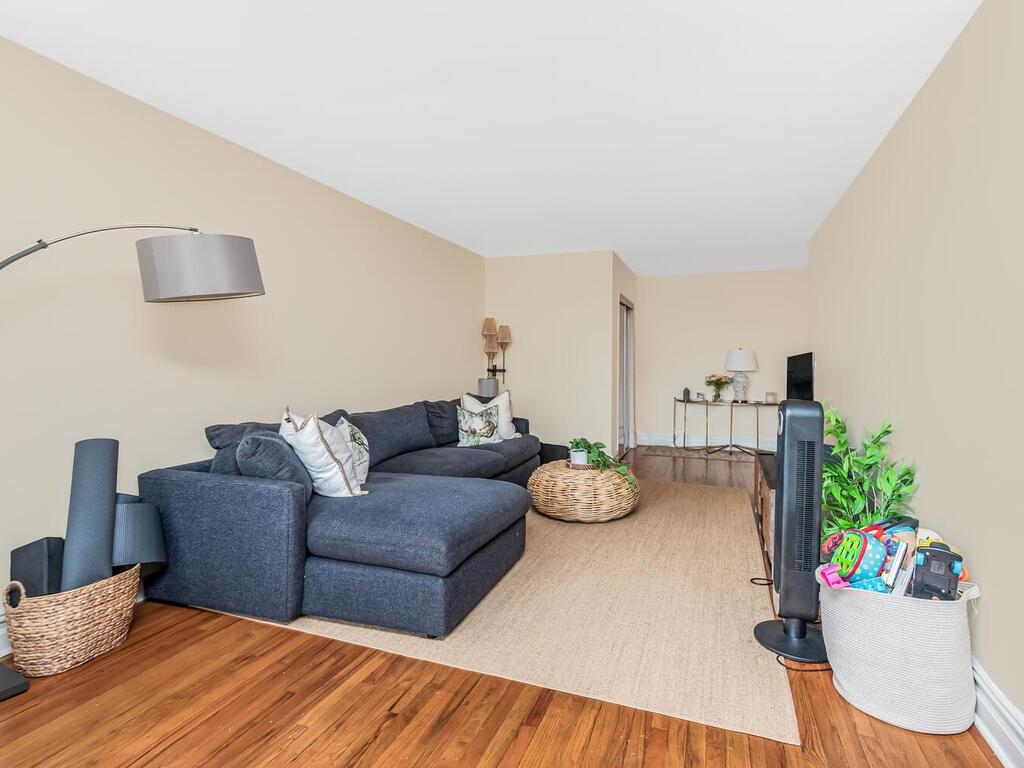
[(324, 451)]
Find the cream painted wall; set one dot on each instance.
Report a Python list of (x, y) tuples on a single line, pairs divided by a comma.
[(557, 306), (689, 324), (624, 284), (362, 310), (917, 275)]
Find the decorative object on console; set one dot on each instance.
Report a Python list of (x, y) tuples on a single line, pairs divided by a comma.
[(739, 362), (478, 427), (191, 267), (699, 397), (717, 382), (771, 398), (325, 452), (686, 394), (503, 402)]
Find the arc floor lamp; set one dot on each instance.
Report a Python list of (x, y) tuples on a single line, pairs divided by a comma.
[(184, 267)]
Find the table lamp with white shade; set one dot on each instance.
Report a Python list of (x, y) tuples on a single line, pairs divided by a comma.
[(737, 362)]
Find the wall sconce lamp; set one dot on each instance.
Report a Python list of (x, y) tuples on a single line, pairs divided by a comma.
[(495, 337)]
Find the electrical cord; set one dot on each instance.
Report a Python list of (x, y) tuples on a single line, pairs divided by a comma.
[(784, 665), (761, 581)]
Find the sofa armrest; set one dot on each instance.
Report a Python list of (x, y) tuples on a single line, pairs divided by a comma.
[(522, 425), (233, 543)]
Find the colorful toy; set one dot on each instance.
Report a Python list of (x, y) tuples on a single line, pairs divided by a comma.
[(929, 538), (830, 575), (876, 584), (860, 555), (937, 571)]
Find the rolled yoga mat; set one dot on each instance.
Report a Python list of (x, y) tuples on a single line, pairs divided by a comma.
[(89, 543)]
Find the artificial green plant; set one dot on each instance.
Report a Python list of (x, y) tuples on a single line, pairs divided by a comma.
[(861, 487)]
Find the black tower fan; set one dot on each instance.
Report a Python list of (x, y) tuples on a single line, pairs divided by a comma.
[(797, 533)]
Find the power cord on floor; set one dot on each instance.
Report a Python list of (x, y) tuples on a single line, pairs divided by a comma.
[(761, 581), (784, 665)]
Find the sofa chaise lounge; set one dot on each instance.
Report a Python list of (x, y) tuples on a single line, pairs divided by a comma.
[(440, 526)]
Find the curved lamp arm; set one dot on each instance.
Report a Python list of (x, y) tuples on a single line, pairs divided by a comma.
[(40, 244)]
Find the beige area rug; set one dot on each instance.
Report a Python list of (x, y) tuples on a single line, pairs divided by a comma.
[(653, 611)]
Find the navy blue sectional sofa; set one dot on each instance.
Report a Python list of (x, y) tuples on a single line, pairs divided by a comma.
[(440, 526)]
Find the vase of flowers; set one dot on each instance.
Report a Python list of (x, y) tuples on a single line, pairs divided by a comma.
[(717, 382)]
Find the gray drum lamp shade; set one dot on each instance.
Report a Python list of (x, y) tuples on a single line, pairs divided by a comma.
[(198, 267)]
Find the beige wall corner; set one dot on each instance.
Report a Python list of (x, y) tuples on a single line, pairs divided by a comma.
[(558, 308), (917, 274), (690, 322), (362, 310)]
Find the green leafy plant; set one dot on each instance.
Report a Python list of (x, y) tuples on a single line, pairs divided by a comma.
[(861, 487), (600, 459)]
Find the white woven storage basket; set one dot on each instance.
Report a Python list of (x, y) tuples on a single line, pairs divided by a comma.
[(904, 660)]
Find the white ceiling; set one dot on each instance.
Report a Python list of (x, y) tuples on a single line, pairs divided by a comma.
[(688, 135)]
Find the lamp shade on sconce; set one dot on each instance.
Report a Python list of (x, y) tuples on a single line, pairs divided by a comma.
[(504, 335), (740, 360), (490, 345), (490, 327), (198, 267)]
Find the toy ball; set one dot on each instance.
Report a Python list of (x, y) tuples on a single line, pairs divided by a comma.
[(859, 556)]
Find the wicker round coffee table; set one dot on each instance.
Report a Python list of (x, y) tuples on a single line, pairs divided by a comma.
[(582, 494)]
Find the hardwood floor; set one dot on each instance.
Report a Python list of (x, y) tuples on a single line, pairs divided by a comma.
[(193, 688)]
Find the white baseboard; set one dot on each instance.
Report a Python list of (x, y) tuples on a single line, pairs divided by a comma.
[(658, 438), (999, 722)]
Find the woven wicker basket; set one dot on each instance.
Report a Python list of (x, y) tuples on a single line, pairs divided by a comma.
[(53, 633), (582, 494)]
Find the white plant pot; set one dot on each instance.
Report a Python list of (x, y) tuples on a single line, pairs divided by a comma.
[(578, 457)]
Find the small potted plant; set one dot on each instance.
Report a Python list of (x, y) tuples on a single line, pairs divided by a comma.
[(593, 455), (717, 382), (579, 449)]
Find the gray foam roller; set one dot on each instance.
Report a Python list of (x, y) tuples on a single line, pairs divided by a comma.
[(89, 543)]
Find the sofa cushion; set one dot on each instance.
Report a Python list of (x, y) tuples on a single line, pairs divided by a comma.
[(230, 435), (394, 431), (514, 451), (445, 462), (268, 455), (443, 420), (413, 523)]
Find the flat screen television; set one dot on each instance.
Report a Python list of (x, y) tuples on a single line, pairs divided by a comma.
[(800, 377)]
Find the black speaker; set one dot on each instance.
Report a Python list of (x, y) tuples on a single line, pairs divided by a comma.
[(797, 533)]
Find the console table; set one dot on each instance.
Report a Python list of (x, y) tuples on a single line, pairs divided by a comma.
[(732, 405)]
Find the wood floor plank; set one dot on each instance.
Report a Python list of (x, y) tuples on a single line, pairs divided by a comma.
[(191, 688)]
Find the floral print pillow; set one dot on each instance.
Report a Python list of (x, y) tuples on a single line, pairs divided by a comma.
[(478, 428)]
